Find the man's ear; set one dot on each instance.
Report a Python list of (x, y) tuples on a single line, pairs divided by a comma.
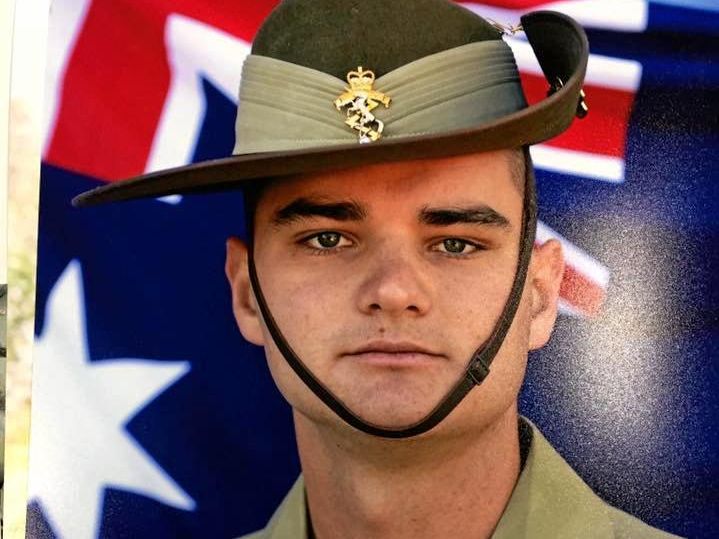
[(545, 276), (243, 300)]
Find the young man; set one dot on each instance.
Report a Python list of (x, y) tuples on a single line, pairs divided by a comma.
[(407, 267), (391, 262)]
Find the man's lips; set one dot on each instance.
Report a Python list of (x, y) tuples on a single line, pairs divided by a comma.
[(393, 353)]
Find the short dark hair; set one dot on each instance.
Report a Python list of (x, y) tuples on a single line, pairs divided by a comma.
[(251, 195)]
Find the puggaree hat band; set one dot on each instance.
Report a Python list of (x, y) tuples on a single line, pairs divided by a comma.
[(285, 106)]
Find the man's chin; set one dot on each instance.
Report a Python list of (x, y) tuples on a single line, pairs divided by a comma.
[(393, 409), (391, 399)]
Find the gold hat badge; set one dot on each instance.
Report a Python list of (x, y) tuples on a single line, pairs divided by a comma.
[(359, 100)]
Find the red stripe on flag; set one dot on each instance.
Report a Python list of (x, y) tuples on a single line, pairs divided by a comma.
[(513, 4), (113, 92), (117, 81), (603, 130), (580, 292)]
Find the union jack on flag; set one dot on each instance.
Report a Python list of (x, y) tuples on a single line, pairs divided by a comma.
[(153, 418)]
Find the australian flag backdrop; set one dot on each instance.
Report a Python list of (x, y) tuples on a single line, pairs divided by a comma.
[(153, 418)]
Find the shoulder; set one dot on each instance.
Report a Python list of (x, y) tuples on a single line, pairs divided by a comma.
[(551, 500), (288, 521), (627, 526), (255, 535)]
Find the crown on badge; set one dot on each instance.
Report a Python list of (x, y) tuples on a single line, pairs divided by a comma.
[(361, 79)]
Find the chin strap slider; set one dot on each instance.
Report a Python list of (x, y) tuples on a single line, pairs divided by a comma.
[(478, 370)]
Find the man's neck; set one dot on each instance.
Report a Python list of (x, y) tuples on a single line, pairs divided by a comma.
[(455, 487)]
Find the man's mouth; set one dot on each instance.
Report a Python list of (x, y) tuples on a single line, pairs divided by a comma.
[(394, 354)]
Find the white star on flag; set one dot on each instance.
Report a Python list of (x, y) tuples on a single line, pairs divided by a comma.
[(78, 443)]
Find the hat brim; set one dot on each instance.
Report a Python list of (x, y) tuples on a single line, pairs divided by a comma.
[(561, 48)]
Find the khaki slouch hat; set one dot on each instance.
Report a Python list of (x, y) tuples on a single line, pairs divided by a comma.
[(452, 81)]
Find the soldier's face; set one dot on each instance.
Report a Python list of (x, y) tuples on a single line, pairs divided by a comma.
[(385, 279)]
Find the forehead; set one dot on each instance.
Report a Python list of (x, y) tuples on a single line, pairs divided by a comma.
[(483, 177)]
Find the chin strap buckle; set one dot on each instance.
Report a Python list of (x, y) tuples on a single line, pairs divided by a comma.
[(582, 107)]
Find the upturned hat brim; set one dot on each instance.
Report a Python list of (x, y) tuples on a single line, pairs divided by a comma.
[(561, 48)]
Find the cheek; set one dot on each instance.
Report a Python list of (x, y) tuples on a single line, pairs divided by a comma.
[(500, 390), (306, 331), (475, 295), (512, 358), (309, 297), (288, 383), (310, 305)]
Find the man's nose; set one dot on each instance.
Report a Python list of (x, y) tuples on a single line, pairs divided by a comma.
[(396, 283)]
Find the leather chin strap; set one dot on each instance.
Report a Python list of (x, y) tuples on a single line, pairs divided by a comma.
[(478, 366)]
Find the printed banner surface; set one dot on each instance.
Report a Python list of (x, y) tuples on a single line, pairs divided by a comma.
[(152, 417)]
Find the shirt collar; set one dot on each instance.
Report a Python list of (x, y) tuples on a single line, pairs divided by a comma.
[(549, 500)]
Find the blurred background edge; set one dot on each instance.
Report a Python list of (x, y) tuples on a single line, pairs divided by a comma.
[(24, 35)]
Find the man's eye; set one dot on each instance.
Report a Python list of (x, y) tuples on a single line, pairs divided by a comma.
[(327, 240), (455, 246)]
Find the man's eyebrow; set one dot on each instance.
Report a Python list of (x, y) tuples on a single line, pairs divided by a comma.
[(306, 207), (482, 215)]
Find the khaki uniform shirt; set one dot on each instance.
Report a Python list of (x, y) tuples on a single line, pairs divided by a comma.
[(549, 501)]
